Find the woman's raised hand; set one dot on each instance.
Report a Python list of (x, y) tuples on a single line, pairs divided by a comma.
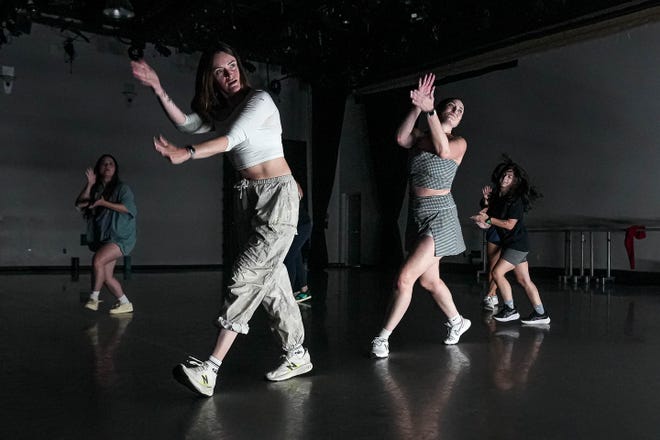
[(170, 151), (423, 101), (91, 176), (145, 74), (426, 84), (423, 96), (485, 191)]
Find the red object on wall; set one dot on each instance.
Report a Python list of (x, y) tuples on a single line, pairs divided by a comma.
[(633, 232)]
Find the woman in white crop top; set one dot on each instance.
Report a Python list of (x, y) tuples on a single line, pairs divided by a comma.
[(266, 209)]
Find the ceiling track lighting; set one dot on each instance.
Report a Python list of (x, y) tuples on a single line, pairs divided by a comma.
[(119, 9)]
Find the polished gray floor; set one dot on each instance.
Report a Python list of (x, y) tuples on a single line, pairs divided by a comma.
[(67, 373)]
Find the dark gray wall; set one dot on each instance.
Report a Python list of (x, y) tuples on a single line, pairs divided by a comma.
[(582, 119), (60, 118)]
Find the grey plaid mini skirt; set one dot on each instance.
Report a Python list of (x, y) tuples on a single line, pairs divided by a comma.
[(436, 216)]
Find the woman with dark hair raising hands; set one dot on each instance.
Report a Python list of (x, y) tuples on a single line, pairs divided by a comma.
[(434, 159), (109, 208), (506, 203)]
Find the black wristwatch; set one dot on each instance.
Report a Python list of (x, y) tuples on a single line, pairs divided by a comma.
[(191, 151), (488, 221), (431, 113)]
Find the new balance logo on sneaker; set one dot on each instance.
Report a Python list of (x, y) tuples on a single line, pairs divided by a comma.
[(293, 364)]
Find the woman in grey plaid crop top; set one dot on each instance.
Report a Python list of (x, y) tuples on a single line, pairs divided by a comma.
[(434, 230)]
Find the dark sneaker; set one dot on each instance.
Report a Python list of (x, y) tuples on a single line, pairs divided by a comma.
[(507, 314), (303, 296), (536, 319)]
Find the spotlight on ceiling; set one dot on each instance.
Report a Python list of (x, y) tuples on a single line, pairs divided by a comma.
[(119, 9), (31, 8)]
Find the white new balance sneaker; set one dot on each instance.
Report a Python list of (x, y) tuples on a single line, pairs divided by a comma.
[(196, 375), (292, 365)]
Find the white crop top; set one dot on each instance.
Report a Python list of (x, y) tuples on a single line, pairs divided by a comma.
[(253, 130)]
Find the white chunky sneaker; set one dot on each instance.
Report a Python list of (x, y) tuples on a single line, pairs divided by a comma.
[(92, 304), (292, 365), (490, 302), (454, 332), (121, 308), (196, 375), (380, 347)]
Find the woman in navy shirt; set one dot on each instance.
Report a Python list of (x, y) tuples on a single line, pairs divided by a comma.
[(504, 211)]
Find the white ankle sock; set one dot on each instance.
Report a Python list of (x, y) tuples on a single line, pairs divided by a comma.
[(95, 295), (455, 320), (123, 299), (214, 363), (384, 333)]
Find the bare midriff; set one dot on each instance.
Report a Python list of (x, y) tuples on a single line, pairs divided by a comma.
[(426, 192), (267, 170)]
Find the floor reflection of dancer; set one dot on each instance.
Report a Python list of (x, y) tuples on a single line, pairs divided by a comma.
[(505, 211), (266, 206), (109, 207), (105, 351), (435, 157), (419, 413), (507, 371)]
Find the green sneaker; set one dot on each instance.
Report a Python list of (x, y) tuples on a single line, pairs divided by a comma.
[(303, 296)]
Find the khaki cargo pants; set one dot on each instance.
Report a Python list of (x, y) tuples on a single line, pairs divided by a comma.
[(266, 217)]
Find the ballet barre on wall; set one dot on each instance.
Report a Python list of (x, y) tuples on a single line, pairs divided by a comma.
[(575, 278), (575, 275)]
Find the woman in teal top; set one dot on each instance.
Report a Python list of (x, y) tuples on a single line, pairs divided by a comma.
[(108, 206)]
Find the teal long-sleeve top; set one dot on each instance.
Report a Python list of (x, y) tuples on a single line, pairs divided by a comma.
[(109, 226)]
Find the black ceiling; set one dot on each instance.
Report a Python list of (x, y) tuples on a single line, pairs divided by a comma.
[(351, 42)]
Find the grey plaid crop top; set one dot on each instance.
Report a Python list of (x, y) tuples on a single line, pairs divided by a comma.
[(428, 170)]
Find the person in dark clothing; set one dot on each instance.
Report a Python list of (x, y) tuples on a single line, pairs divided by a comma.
[(505, 209), (294, 261)]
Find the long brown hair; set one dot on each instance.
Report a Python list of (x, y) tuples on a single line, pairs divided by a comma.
[(208, 99)]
